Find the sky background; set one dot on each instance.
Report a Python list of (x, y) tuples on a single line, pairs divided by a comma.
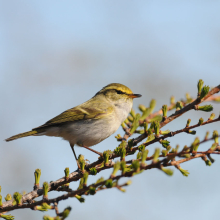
[(55, 55)]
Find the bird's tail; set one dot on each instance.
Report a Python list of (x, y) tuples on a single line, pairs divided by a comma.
[(25, 134)]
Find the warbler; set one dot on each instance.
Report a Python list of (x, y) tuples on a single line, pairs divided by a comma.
[(91, 122)]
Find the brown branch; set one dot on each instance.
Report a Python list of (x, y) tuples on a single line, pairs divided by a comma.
[(177, 114)]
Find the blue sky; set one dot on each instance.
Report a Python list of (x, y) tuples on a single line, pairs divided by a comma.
[(56, 55)]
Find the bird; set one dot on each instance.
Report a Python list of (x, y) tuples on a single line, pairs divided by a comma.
[(90, 122)]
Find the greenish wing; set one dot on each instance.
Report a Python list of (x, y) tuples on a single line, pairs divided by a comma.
[(79, 113)]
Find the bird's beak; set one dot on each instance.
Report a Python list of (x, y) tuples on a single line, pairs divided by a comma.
[(135, 96)]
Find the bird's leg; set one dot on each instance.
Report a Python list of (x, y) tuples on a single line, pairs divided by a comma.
[(72, 147), (100, 154)]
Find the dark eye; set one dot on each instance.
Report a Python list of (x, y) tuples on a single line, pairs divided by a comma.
[(119, 92)]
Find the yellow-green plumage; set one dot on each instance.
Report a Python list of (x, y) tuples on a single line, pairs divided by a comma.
[(25, 134)]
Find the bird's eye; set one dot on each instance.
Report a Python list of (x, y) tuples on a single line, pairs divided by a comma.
[(119, 92)]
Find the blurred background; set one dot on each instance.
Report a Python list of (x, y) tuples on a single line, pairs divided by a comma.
[(56, 55)]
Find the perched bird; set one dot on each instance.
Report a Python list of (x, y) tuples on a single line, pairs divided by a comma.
[(91, 122)]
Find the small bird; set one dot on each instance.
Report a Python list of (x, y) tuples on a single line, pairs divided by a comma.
[(91, 122)]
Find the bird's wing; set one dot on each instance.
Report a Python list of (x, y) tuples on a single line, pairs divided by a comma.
[(81, 112)]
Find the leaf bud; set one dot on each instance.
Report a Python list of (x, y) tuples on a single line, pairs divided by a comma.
[(45, 190), (156, 155), (193, 132), (80, 198), (188, 122), (82, 162), (123, 166), (179, 106), (106, 155), (164, 109), (109, 183), (144, 156), (135, 123), (17, 197), (204, 92), (215, 136), (165, 143), (142, 108), (115, 168), (199, 86), (67, 173), (205, 108), (145, 114), (136, 165), (37, 175), (212, 116), (184, 172), (172, 100), (93, 171), (8, 197), (152, 105), (201, 120), (133, 114), (66, 212), (169, 172)]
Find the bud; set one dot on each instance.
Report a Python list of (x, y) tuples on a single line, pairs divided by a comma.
[(109, 183), (44, 207), (45, 190), (116, 168), (145, 127), (82, 162), (67, 173), (193, 132), (207, 135), (179, 106), (199, 86), (142, 108), (188, 122), (212, 116), (205, 108), (164, 153), (133, 114), (139, 154), (156, 155), (106, 155), (66, 212), (172, 100), (169, 172), (8, 197), (184, 172), (93, 171), (37, 175), (0, 200), (152, 105), (123, 167), (165, 143), (80, 198), (144, 156), (210, 158), (136, 165), (201, 120), (164, 132), (195, 144), (101, 179), (145, 114), (164, 109), (204, 92), (213, 146), (92, 190), (215, 136), (130, 118), (7, 217), (135, 123), (17, 197), (157, 128)]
